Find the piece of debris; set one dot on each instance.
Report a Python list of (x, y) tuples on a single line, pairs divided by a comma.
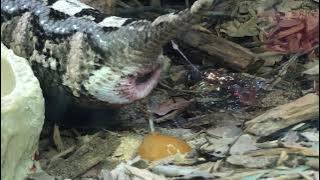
[(156, 146), (252, 162), (170, 105), (302, 109), (85, 157), (243, 144), (295, 31), (128, 172), (222, 51)]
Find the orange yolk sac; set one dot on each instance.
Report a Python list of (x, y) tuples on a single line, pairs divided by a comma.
[(156, 146)]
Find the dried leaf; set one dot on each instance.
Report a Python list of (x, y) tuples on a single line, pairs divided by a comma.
[(288, 5), (312, 71), (295, 32), (170, 105), (125, 171), (311, 136), (237, 29), (290, 31), (244, 144), (252, 162), (288, 23)]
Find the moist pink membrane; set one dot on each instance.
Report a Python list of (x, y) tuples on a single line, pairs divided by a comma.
[(134, 88)]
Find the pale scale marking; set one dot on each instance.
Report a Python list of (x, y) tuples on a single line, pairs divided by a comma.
[(113, 21), (70, 7)]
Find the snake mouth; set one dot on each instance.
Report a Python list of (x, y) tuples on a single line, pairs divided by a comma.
[(136, 87)]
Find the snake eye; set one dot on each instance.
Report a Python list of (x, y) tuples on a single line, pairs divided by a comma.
[(130, 76), (144, 78)]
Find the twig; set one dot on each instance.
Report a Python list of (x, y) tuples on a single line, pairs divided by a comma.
[(138, 3), (151, 124), (187, 3), (283, 71), (289, 150), (123, 4), (76, 132), (63, 153), (306, 176), (176, 47), (85, 157), (167, 116), (57, 140)]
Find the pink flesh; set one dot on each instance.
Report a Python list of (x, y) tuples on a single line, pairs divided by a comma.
[(136, 91)]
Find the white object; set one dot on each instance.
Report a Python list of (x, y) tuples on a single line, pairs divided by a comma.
[(70, 7), (22, 116)]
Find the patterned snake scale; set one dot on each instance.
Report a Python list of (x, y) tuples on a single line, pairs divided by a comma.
[(84, 56)]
